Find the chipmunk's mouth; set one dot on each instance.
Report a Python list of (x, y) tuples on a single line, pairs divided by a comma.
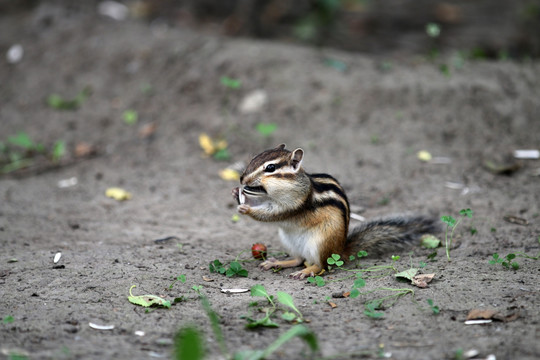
[(252, 195)]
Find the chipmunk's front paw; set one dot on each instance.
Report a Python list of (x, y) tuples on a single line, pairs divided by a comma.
[(244, 209), (236, 194), (269, 264)]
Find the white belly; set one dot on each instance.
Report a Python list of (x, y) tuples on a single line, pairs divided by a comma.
[(300, 242)]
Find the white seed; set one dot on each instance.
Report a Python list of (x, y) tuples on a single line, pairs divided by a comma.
[(100, 327), (234, 291)]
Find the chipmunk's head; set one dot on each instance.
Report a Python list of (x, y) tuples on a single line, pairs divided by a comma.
[(274, 177)]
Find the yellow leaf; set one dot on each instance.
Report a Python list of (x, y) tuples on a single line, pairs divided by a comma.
[(210, 146), (118, 194), (424, 155), (207, 144), (221, 144), (229, 174)]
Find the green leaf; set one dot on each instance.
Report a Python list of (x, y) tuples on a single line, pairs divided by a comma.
[(243, 273), (448, 220), (215, 265), (188, 344), (358, 283), (235, 268), (407, 274), (22, 140), (433, 30), (434, 309), (300, 331), (263, 322), (362, 253), (430, 242), (515, 265), (370, 308), (351, 258), (130, 117), (8, 319), (319, 280), (59, 150), (230, 82), (336, 64), (55, 101), (259, 290), (248, 355), (214, 322), (288, 316), (510, 256), (466, 212), (287, 300), (222, 155), (147, 300), (181, 278), (354, 293), (266, 129), (422, 264)]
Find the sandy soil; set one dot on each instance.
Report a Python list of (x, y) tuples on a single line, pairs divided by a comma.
[(363, 125)]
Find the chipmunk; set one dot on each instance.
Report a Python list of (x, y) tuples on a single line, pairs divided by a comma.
[(312, 212)]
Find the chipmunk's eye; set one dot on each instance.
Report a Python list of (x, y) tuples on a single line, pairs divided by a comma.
[(270, 168)]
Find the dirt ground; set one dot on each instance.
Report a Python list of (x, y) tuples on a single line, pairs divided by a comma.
[(363, 123)]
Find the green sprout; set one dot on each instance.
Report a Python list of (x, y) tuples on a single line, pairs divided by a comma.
[(452, 223)]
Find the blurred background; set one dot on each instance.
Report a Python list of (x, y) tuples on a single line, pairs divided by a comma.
[(480, 28)]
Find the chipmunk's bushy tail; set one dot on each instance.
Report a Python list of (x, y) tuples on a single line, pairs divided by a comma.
[(390, 234)]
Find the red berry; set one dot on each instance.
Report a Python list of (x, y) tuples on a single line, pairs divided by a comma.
[(258, 251)]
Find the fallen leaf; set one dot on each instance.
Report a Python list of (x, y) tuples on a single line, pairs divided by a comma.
[(476, 314), (332, 305), (207, 279), (503, 168), (506, 318), (147, 130), (118, 194), (347, 294), (147, 300), (209, 146), (407, 274), (229, 174), (490, 314), (206, 144), (422, 280), (84, 149), (516, 220), (430, 241)]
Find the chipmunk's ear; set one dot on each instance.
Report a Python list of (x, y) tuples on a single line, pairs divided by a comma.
[(296, 159), (280, 147)]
